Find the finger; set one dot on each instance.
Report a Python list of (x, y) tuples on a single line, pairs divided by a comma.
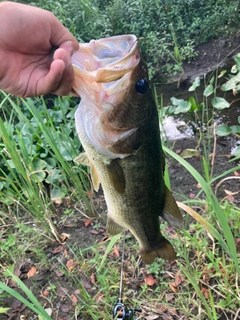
[(62, 54), (51, 81), (65, 85)]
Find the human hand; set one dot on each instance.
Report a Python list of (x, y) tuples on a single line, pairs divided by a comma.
[(28, 66)]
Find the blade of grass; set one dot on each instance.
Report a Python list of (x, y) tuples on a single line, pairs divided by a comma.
[(34, 305)]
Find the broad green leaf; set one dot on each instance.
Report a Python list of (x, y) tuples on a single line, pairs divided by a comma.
[(220, 103), (184, 106), (208, 90), (39, 164), (194, 105), (175, 101), (234, 69), (235, 129), (223, 130), (195, 84), (231, 84), (58, 193), (54, 176), (237, 61)]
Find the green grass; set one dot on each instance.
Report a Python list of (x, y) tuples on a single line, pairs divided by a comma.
[(203, 283)]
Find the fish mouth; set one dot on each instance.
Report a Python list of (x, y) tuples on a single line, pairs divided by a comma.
[(105, 61), (105, 76)]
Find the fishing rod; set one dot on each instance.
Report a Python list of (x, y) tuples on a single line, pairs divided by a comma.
[(120, 311)]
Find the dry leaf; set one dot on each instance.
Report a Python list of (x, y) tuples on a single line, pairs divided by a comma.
[(76, 292), (62, 292), (74, 299), (173, 287), (58, 273), (236, 173), (57, 201), (57, 249), (87, 222), (169, 296), (149, 280), (205, 292), (162, 308), (172, 311), (71, 264), (178, 279), (93, 278), (237, 241), (152, 317), (199, 186), (192, 195), (31, 272), (45, 293), (92, 231), (65, 236), (229, 193), (87, 284), (116, 252)]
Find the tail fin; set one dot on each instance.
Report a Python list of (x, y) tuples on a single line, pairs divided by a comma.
[(164, 250)]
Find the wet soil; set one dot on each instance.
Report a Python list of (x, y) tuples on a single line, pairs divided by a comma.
[(50, 274)]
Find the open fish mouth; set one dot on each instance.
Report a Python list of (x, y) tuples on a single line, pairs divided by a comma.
[(104, 68), (106, 60)]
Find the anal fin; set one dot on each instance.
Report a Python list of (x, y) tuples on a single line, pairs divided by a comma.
[(171, 212), (113, 228)]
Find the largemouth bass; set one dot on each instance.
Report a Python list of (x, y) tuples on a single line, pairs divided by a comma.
[(117, 123)]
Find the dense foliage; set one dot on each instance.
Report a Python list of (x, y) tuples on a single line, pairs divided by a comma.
[(171, 28)]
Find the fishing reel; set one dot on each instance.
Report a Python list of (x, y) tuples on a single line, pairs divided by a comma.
[(121, 312)]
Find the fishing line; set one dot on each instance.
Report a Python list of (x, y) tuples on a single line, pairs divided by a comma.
[(120, 311)]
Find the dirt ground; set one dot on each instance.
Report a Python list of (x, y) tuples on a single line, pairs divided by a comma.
[(182, 183)]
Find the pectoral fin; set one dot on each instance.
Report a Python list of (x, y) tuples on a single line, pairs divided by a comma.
[(113, 228), (171, 211), (116, 176), (84, 160)]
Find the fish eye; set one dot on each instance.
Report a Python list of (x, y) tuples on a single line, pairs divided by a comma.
[(142, 86)]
